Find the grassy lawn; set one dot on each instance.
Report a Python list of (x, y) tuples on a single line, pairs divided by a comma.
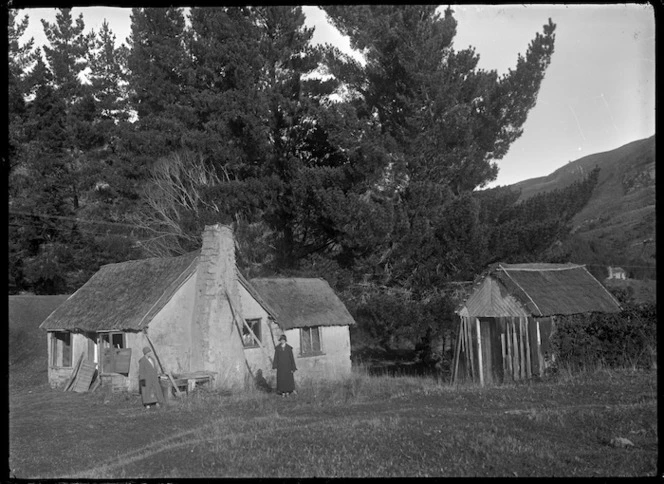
[(378, 426)]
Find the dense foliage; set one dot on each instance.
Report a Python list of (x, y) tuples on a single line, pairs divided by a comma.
[(362, 172), (622, 340)]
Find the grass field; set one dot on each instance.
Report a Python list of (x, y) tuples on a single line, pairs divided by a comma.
[(379, 426)]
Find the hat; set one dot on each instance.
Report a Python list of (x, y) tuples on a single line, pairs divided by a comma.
[(282, 337), (146, 350)]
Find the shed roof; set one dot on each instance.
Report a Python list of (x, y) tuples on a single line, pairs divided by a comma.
[(303, 302), (123, 296), (553, 289)]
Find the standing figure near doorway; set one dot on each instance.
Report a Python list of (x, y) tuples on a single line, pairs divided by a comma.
[(284, 363), (148, 380)]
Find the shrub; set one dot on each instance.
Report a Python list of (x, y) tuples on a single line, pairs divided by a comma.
[(624, 339), (395, 320)]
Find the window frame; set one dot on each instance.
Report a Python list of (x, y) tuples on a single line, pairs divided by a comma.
[(60, 349), (250, 342), (307, 347)]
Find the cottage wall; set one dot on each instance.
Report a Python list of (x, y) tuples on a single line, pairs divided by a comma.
[(258, 358), (170, 331), (333, 364)]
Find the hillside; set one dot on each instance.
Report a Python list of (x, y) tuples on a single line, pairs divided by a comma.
[(27, 343), (618, 225)]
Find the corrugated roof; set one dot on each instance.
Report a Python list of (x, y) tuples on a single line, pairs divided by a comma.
[(123, 296), (553, 289), (302, 302), (490, 299)]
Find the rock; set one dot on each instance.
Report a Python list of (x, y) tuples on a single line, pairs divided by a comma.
[(621, 442)]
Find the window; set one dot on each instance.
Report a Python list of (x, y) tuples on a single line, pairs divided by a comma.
[(310, 341), (61, 349), (247, 339), (114, 357)]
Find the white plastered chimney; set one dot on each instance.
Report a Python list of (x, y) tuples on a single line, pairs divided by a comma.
[(216, 344)]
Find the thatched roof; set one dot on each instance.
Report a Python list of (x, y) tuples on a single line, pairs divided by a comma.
[(32, 310), (300, 302), (553, 289), (124, 296)]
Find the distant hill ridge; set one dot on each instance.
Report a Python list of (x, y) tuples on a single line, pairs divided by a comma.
[(618, 224)]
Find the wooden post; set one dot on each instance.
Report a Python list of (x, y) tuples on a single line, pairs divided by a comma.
[(526, 332), (540, 357), (462, 348), (480, 370), (456, 355), (522, 353), (515, 353), (469, 347), (509, 348), (502, 352)]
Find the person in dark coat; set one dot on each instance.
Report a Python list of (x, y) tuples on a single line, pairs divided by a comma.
[(148, 380), (284, 363)]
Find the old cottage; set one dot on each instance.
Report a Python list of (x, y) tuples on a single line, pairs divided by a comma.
[(507, 319), (204, 320), (617, 273)]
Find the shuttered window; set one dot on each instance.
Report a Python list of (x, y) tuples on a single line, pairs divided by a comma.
[(310, 343)]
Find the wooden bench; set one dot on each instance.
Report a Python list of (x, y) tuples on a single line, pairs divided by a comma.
[(187, 382)]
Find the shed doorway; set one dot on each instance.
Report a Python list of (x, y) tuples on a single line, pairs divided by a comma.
[(492, 365)]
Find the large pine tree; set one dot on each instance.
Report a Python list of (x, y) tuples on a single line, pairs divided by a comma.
[(59, 235), (441, 122), (157, 85), (258, 136)]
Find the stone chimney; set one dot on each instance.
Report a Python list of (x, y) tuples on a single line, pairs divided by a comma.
[(216, 344)]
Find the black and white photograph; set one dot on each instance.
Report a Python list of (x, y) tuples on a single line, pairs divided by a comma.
[(335, 241)]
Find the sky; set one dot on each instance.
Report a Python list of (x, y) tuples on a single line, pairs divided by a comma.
[(597, 94)]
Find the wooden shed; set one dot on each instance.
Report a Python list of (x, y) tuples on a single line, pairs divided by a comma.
[(506, 321)]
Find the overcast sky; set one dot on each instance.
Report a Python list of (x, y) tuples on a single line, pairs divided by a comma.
[(597, 95)]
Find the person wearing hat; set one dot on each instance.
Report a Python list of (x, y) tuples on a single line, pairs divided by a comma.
[(284, 363), (148, 380)]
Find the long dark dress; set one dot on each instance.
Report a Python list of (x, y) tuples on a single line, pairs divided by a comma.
[(148, 380), (284, 363)]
